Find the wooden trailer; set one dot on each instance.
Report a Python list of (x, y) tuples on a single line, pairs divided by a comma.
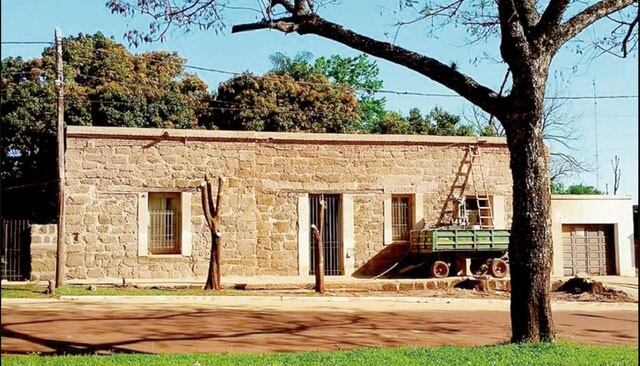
[(462, 251)]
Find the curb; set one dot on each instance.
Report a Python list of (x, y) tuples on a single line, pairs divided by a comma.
[(280, 298), (422, 303)]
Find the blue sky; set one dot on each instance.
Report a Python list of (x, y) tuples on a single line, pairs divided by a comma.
[(617, 119)]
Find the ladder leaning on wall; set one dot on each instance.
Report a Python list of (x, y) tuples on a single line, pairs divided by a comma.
[(470, 167), (481, 193)]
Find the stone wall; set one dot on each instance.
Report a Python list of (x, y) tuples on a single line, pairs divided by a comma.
[(108, 169), (44, 239)]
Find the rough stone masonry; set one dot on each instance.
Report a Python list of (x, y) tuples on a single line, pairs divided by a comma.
[(110, 173)]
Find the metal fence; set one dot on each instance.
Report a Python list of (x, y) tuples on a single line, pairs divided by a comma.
[(15, 237), (163, 232), (400, 218), (332, 243)]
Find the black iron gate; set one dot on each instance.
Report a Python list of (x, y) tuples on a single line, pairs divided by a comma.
[(15, 237), (333, 265)]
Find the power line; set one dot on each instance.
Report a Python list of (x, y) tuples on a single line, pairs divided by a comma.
[(593, 97), (234, 106), (375, 91), (363, 89), (26, 42)]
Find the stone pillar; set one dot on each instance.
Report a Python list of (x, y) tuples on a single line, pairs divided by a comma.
[(348, 234), (303, 235), (43, 252)]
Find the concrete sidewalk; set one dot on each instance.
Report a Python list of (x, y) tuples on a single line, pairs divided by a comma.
[(629, 285), (336, 303), (335, 283)]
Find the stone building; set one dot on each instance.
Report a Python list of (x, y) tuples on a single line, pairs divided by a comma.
[(133, 204)]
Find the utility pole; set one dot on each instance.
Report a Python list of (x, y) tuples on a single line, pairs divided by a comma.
[(60, 253), (595, 123)]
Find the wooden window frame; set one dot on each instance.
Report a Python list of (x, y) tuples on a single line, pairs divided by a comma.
[(409, 217)]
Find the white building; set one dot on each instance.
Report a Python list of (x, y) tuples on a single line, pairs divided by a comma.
[(592, 234)]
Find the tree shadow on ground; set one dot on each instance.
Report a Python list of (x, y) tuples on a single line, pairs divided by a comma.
[(223, 329)]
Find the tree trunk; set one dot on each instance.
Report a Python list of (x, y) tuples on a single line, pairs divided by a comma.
[(212, 215), (530, 247), (319, 249), (213, 276)]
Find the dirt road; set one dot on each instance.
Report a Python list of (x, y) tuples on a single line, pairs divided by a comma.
[(247, 325)]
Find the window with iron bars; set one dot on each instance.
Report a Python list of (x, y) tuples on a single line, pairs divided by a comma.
[(400, 217), (164, 223)]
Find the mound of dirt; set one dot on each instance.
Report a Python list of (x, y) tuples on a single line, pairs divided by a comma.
[(586, 289)]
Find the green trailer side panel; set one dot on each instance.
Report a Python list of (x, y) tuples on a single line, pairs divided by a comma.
[(460, 240)]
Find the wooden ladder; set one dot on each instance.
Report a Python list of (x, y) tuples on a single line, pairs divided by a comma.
[(485, 212), (448, 213)]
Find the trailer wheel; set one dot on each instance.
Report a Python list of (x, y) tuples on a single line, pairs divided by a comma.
[(439, 269), (498, 268)]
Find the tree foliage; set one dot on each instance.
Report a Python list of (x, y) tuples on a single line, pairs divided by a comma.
[(276, 102), (104, 85), (358, 73), (437, 122), (362, 76), (559, 188)]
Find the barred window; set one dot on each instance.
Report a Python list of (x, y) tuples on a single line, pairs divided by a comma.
[(400, 217), (164, 223)]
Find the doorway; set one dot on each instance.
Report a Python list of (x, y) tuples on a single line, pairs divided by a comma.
[(333, 263)]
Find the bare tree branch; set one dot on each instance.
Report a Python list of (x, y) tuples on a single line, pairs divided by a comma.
[(206, 191), (287, 5), (563, 164), (446, 75), (588, 16), (617, 172), (552, 16), (514, 45), (527, 13), (627, 36)]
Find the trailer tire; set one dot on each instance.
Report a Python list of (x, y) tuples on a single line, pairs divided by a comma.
[(439, 269), (498, 268)]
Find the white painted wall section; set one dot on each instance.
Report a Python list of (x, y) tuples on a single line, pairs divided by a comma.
[(185, 224), (594, 209), (303, 235), (388, 226), (499, 213), (143, 224), (348, 242)]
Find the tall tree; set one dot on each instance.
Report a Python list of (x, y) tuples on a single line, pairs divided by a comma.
[(104, 85), (359, 73), (274, 102), (437, 122), (530, 33)]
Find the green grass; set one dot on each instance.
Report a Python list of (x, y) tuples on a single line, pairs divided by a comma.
[(36, 291), (545, 354)]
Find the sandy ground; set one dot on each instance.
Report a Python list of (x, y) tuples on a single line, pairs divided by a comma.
[(251, 324)]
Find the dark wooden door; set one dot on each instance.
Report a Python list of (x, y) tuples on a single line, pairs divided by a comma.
[(333, 265), (588, 249)]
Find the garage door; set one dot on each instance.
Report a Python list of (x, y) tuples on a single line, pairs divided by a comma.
[(588, 249)]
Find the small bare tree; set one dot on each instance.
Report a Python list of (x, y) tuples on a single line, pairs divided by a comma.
[(557, 128), (617, 172), (212, 216), (319, 250)]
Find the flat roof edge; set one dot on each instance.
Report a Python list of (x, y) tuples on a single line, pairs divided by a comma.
[(567, 197), (166, 133)]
